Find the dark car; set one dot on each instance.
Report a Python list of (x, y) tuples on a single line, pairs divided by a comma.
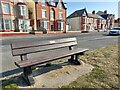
[(114, 31)]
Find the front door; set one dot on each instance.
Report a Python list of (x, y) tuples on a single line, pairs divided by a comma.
[(52, 27)]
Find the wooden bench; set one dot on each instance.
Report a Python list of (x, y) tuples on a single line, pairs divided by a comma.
[(22, 49)]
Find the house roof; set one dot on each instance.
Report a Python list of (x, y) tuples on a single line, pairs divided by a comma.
[(95, 16), (105, 16), (55, 1), (100, 13), (77, 13)]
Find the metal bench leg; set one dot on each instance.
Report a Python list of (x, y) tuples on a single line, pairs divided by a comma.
[(28, 75), (74, 59), (77, 61), (71, 59)]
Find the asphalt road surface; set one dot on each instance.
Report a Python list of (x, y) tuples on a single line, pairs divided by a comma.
[(91, 40)]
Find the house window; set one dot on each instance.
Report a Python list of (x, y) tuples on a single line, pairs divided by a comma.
[(23, 10), (60, 6), (46, 25), (43, 13), (60, 15), (41, 23), (52, 3), (43, 2), (6, 8), (59, 26), (52, 15), (7, 24)]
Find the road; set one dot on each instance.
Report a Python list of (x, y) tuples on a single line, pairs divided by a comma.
[(91, 40)]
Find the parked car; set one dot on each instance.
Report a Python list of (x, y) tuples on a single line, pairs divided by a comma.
[(114, 31)]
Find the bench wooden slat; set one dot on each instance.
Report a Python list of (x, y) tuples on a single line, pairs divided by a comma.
[(19, 45), (48, 58), (29, 50)]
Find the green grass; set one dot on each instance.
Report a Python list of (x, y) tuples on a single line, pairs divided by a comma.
[(105, 72)]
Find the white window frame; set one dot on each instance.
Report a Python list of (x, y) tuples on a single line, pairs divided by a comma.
[(60, 14), (44, 13), (52, 15), (23, 10), (8, 12), (10, 24)]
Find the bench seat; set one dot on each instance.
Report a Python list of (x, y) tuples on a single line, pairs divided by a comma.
[(47, 58)]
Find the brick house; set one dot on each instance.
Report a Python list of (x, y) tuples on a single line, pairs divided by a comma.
[(19, 15), (6, 15), (51, 15), (97, 21), (108, 17), (25, 15), (80, 20)]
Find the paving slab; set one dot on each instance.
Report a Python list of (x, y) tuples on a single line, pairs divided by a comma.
[(63, 74)]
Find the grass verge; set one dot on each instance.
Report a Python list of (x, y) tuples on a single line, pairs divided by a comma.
[(105, 74)]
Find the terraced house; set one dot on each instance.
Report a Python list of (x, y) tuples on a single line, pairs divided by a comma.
[(26, 15), (51, 15), (81, 20), (6, 15)]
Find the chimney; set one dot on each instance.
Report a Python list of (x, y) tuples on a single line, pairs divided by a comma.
[(105, 12), (93, 12)]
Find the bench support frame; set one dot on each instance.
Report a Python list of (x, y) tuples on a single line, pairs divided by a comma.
[(27, 71)]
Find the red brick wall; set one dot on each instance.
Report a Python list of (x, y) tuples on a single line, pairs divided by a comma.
[(48, 8)]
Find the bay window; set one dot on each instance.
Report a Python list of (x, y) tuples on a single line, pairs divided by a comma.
[(7, 24)]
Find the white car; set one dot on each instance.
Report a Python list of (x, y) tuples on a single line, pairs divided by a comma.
[(114, 31)]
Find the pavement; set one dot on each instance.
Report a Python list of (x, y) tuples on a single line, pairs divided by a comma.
[(92, 40)]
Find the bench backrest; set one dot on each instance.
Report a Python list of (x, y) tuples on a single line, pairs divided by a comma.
[(23, 48)]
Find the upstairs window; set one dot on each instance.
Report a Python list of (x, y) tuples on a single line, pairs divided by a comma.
[(52, 15), (23, 10), (43, 13), (60, 6), (43, 2), (60, 15), (52, 3), (6, 8)]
